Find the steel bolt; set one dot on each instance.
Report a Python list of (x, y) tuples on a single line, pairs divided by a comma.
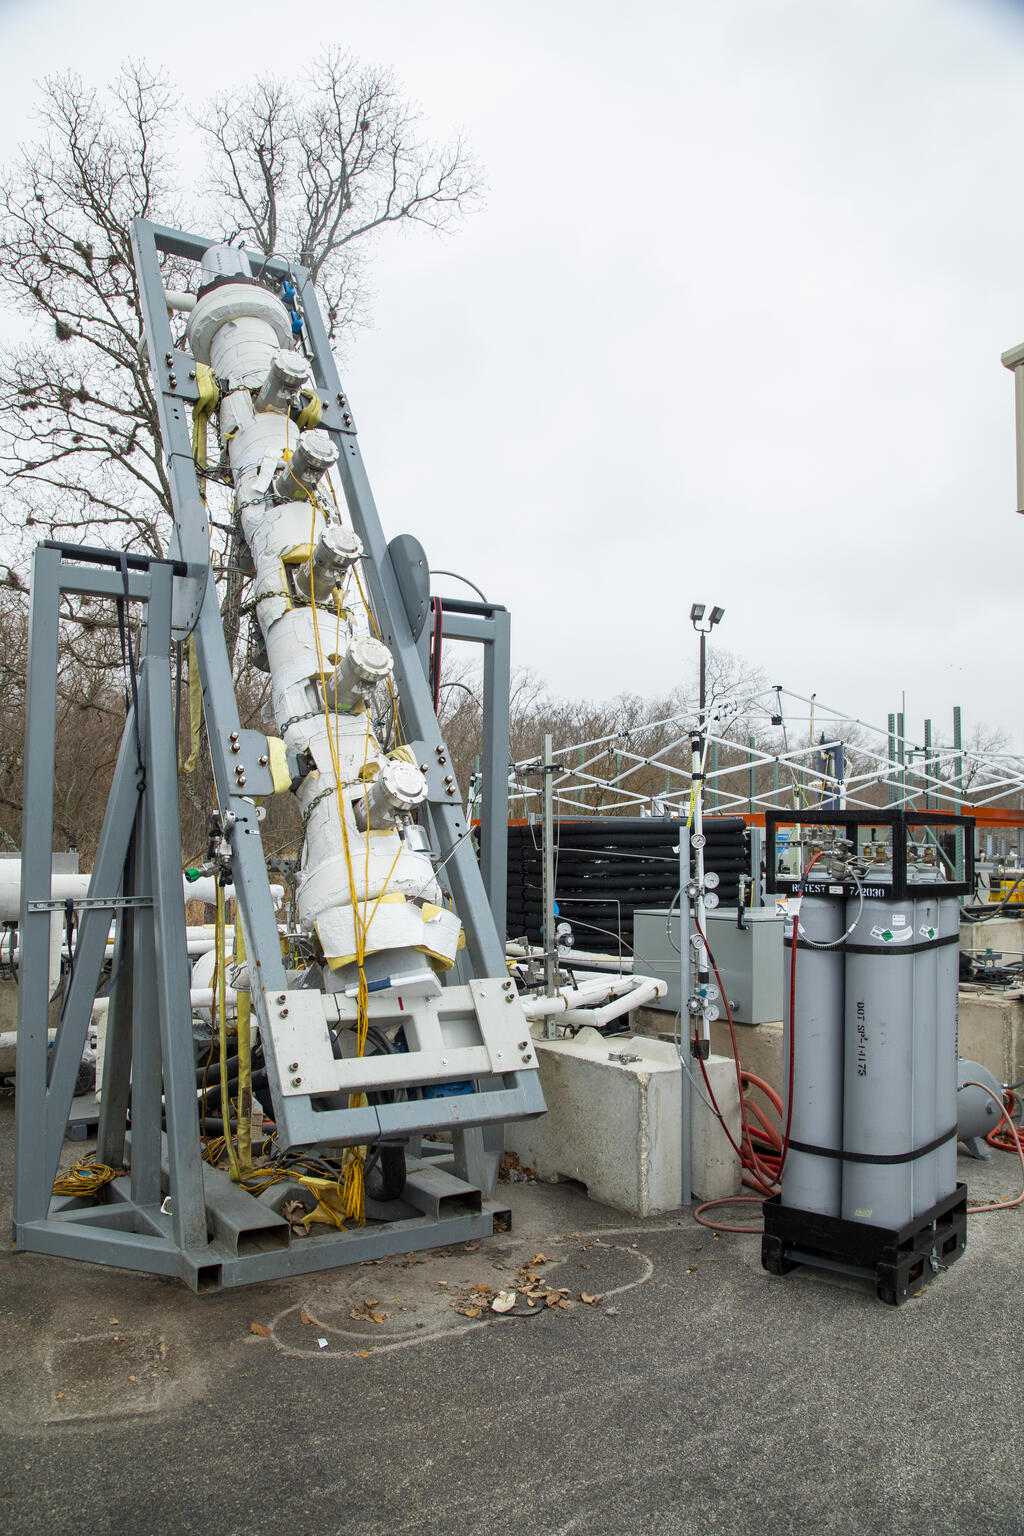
[(525, 1058), (264, 760), (424, 767), (191, 373), (172, 381), (296, 1082), (284, 1013), (524, 1045), (509, 997), (168, 357), (235, 747), (293, 1066), (233, 736), (281, 997), (449, 790)]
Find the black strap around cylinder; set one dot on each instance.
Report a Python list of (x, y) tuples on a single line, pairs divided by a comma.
[(875, 1157)]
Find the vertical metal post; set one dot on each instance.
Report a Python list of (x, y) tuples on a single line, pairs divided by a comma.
[(928, 766), (958, 762), (494, 766), (775, 783), (686, 1119), (901, 751), (713, 786), (890, 777), (31, 1189), (751, 784), (548, 892), (756, 897)]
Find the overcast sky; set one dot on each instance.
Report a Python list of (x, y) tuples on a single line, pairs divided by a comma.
[(727, 328)]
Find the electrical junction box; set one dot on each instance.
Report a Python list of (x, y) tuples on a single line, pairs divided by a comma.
[(749, 959)]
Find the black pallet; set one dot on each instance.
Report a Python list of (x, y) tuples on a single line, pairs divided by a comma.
[(898, 1260)]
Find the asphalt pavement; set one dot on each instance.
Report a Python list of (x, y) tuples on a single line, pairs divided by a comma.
[(681, 1390)]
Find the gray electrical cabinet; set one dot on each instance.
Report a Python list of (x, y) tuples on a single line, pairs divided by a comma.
[(748, 958)]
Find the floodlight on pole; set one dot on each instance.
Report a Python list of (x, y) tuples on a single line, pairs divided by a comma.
[(696, 613)]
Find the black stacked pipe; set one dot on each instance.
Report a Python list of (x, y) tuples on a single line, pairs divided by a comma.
[(606, 868)]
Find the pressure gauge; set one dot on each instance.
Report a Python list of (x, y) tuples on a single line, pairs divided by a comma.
[(711, 901), (711, 881), (698, 840)]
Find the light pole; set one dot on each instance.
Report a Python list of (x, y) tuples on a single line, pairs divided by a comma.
[(704, 627), (700, 1003)]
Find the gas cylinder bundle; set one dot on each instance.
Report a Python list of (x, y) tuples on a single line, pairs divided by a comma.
[(870, 1027)]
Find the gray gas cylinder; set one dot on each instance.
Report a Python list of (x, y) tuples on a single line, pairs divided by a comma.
[(924, 1128), (878, 1090), (948, 988), (809, 1182)]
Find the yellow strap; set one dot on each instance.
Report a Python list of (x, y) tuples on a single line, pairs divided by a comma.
[(279, 769), (209, 395), (195, 706), (311, 413)]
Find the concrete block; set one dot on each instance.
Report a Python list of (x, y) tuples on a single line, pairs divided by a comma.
[(716, 1168), (1005, 934), (992, 1031), (614, 1125)]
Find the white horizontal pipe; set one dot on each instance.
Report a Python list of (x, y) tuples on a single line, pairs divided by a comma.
[(76, 886), (174, 299), (575, 957)]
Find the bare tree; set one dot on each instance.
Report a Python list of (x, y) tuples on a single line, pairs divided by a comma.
[(317, 175), (313, 170)]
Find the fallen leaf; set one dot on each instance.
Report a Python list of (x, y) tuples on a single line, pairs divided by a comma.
[(540, 1258), (585, 1296), (261, 1329), (551, 1299), (114, 1322), (442, 1282), (133, 1378), (470, 1247), (563, 1301), (504, 1301), (370, 1301), (364, 1354), (59, 1396), (304, 1316)]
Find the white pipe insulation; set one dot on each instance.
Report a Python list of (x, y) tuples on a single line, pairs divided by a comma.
[(63, 886), (582, 1004), (644, 990), (324, 664)]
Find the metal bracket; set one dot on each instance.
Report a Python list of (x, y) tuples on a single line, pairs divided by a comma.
[(250, 753)]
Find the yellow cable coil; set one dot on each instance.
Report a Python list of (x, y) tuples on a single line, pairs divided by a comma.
[(84, 1178)]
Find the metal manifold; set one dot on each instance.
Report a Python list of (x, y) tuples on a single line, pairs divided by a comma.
[(400, 1025)]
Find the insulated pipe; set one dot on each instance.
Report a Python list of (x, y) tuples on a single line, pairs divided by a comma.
[(76, 887), (596, 990), (645, 991)]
